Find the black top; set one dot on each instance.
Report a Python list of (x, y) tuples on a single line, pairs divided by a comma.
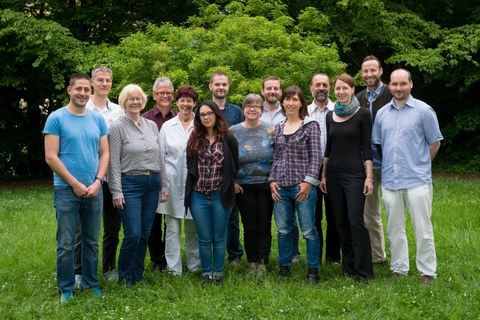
[(230, 168), (349, 142)]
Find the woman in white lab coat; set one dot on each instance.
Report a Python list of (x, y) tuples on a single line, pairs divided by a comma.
[(173, 145)]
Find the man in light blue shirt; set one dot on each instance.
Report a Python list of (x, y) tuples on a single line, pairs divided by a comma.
[(408, 135), (272, 108)]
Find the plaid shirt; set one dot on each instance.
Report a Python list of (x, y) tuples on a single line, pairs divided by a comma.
[(299, 159), (210, 169)]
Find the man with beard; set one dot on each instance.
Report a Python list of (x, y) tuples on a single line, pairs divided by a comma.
[(271, 92), (272, 114), (219, 86), (161, 113), (318, 109), (408, 136), (373, 97)]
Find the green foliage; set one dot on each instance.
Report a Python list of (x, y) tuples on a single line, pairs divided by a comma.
[(249, 48), (43, 42), (36, 57)]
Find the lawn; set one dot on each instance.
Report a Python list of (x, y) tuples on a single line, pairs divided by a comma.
[(29, 291)]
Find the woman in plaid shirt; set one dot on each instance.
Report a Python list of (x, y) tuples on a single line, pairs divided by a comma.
[(212, 162), (296, 166)]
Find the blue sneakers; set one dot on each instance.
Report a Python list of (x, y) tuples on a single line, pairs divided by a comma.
[(96, 291), (65, 296)]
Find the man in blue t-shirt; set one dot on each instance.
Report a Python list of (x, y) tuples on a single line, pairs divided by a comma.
[(76, 149), (219, 86)]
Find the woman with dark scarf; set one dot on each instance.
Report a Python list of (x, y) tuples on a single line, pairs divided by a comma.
[(347, 176)]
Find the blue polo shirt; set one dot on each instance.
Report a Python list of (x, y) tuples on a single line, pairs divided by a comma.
[(405, 135)]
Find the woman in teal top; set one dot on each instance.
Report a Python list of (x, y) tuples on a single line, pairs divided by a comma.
[(253, 196)]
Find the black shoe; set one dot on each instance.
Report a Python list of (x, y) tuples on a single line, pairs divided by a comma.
[(206, 279), (312, 276), (284, 271), (159, 267), (363, 278), (218, 280)]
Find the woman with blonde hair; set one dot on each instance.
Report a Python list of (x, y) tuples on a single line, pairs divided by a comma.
[(136, 176)]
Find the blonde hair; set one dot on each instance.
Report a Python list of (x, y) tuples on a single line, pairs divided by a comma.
[(127, 91)]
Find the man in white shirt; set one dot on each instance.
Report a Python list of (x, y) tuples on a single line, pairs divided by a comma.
[(318, 109), (102, 85)]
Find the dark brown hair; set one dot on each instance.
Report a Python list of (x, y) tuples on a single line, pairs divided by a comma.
[(198, 139), (290, 92), (78, 76), (372, 57)]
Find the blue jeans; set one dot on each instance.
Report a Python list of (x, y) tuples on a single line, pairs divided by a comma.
[(141, 195), (211, 221), (284, 211), (68, 209)]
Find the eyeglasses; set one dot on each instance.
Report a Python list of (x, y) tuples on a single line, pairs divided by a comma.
[(253, 107), (164, 93), (207, 114), (134, 99)]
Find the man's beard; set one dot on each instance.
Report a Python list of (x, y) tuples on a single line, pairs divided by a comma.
[(321, 96)]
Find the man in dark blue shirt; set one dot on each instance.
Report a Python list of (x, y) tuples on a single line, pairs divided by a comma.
[(220, 85)]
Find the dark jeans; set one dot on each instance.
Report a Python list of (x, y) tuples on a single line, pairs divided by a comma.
[(141, 195), (112, 223), (295, 237), (234, 247), (156, 242), (345, 190), (256, 206), (332, 239), (111, 228)]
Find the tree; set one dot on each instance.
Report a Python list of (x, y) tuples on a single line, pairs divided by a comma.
[(247, 48), (36, 57)]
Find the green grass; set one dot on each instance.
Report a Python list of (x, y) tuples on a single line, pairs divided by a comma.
[(28, 289)]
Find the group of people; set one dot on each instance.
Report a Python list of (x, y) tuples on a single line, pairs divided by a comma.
[(206, 163)]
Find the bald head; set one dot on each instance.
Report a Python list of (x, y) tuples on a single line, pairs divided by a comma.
[(401, 86)]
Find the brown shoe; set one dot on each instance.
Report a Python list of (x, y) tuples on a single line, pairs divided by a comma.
[(426, 280), (395, 275)]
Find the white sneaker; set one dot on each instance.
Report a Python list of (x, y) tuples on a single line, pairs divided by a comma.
[(78, 281)]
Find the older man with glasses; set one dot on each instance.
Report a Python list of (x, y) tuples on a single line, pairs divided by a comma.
[(162, 112)]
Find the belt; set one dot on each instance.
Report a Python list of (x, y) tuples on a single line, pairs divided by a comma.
[(139, 172)]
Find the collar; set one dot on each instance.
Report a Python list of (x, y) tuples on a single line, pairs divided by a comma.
[(93, 106), (156, 112), (314, 108), (376, 92), (409, 103)]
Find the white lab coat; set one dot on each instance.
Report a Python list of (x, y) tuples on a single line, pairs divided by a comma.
[(173, 146)]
